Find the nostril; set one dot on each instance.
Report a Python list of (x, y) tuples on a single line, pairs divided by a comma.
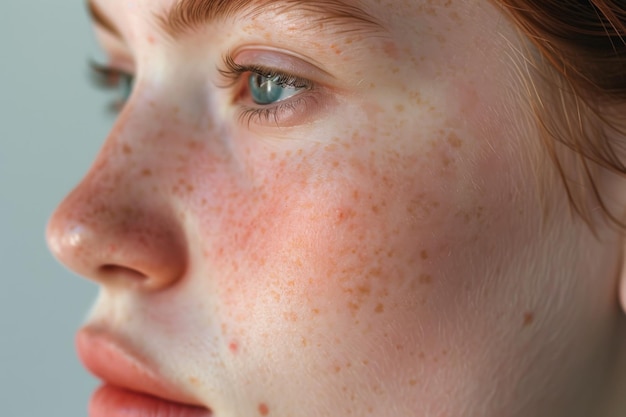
[(122, 271)]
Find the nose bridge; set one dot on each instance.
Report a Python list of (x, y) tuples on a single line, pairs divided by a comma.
[(119, 225)]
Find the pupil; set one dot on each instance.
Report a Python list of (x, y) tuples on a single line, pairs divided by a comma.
[(264, 90)]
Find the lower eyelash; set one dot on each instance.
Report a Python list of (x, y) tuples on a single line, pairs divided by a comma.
[(277, 112)]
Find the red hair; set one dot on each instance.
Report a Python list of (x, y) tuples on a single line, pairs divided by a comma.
[(584, 43)]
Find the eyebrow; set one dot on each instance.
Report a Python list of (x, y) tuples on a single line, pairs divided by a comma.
[(188, 15), (101, 19)]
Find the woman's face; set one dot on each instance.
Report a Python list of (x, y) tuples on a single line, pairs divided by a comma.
[(336, 209)]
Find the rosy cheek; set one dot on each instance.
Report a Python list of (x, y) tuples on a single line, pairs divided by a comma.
[(324, 231)]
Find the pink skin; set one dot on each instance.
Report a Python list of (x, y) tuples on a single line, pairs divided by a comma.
[(399, 246)]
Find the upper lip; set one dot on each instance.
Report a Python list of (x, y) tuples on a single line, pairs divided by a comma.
[(116, 362)]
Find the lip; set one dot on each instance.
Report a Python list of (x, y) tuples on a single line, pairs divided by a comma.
[(131, 381)]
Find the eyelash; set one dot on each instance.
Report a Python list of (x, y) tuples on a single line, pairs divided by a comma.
[(109, 78), (234, 72)]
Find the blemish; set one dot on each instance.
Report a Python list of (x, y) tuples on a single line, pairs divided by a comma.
[(391, 49), (425, 279), (146, 172), (194, 381), (379, 308), (233, 347), (424, 254), (529, 318), (364, 289), (290, 316), (353, 307), (344, 214), (127, 149), (454, 141), (264, 409)]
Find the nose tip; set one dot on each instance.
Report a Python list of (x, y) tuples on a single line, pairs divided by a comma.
[(136, 246)]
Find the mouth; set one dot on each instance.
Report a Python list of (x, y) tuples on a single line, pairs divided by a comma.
[(131, 386)]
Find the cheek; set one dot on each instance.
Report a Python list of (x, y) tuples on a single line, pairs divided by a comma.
[(346, 229)]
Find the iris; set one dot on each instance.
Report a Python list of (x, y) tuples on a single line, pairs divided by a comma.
[(268, 90)]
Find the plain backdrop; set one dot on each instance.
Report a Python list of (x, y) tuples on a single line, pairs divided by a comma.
[(52, 123)]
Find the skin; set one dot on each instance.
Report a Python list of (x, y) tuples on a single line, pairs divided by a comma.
[(399, 246)]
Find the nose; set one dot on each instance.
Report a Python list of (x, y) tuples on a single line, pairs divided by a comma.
[(116, 228)]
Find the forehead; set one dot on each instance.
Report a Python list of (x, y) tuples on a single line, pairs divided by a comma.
[(389, 13)]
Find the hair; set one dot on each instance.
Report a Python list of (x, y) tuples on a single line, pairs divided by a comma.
[(583, 43)]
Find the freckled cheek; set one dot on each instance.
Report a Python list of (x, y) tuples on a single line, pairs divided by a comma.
[(321, 228)]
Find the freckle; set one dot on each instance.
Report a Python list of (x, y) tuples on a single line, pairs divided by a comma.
[(364, 289), (316, 311), (424, 254), (399, 108), (425, 279), (379, 308), (194, 381), (353, 307), (290, 316), (337, 369), (529, 318), (146, 172), (391, 50), (127, 149), (264, 409), (412, 382), (454, 141)]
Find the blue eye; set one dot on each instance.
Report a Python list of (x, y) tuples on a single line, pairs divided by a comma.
[(109, 78), (269, 90)]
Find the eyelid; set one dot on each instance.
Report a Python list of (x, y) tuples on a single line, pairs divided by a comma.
[(286, 62)]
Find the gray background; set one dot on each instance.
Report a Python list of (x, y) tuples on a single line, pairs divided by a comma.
[(52, 123)]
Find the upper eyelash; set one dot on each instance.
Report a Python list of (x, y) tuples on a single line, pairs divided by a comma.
[(104, 76), (108, 78), (233, 72)]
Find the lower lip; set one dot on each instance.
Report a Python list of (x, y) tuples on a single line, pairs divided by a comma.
[(110, 401)]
